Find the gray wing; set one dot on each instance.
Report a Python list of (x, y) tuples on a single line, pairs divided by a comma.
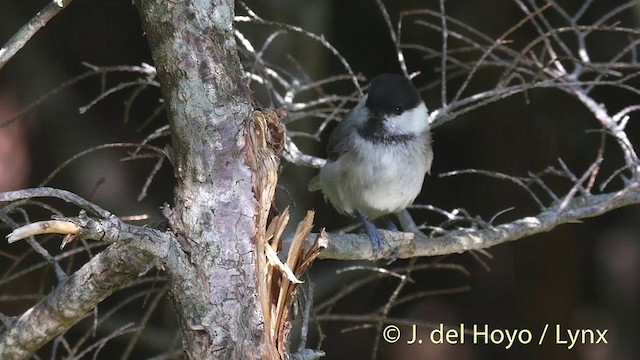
[(339, 141)]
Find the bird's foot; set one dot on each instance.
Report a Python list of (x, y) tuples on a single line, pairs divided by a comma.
[(371, 230)]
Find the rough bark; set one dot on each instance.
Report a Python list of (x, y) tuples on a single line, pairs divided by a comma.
[(213, 282)]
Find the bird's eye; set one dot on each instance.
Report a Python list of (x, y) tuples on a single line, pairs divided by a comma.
[(398, 110)]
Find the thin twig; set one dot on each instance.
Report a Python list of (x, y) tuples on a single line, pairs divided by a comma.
[(26, 32), (55, 193), (60, 167), (394, 38), (254, 18)]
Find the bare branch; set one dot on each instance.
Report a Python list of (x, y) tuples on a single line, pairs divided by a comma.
[(60, 274), (72, 299), (140, 83), (254, 18), (152, 174), (110, 230), (497, 175), (394, 38), (444, 58), (159, 154), (609, 123), (293, 155), (54, 193), (408, 245), (43, 227), (26, 32), (144, 69)]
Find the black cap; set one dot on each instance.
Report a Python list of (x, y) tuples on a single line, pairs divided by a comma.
[(392, 94)]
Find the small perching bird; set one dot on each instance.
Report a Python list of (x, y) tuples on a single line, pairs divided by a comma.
[(378, 154)]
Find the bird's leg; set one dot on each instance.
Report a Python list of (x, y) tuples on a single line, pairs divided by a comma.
[(370, 228)]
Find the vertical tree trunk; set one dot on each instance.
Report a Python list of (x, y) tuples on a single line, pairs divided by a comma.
[(214, 285)]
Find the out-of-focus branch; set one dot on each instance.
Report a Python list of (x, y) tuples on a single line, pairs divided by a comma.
[(293, 155), (26, 32), (406, 245), (146, 70), (69, 302)]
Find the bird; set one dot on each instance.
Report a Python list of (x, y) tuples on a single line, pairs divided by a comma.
[(379, 154)]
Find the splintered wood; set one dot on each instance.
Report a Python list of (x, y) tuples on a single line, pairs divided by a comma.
[(277, 280)]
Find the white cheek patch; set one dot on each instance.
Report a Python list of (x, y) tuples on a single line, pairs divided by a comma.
[(412, 121)]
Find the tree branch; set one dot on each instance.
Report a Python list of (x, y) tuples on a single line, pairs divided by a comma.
[(55, 193), (132, 254), (26, 32), (406, 245), (68, 303)]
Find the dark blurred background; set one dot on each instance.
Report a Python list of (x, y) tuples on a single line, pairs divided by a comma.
[(581, 276)]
